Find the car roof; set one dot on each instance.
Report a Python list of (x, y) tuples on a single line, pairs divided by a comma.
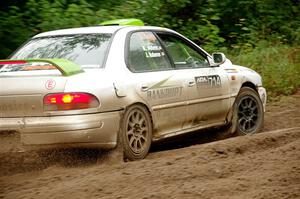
[(82, 30), (95, 29)]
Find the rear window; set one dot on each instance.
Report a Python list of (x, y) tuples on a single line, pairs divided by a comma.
[(86, 50)]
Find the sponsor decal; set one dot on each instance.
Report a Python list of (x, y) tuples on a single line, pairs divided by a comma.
[(160, 84), (50, 84), (210, 80), (13, 107), (159, 91), (164, 93)]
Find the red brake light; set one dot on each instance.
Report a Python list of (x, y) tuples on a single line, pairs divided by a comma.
[(13, 62), (69, 101)]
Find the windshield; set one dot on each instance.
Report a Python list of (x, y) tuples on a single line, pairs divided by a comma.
[(87, 50)]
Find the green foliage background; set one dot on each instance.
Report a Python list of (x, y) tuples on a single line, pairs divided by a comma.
[(262, 34)]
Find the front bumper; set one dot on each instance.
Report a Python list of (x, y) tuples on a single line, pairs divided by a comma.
[(88, 130), (263, 96)]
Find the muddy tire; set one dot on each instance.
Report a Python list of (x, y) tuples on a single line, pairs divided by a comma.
[(248, 112), (135, 133)]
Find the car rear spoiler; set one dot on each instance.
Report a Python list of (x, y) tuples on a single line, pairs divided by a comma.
[(66, 67)]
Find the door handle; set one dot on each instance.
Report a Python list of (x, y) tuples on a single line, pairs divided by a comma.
[(144, 88), (191, 83)]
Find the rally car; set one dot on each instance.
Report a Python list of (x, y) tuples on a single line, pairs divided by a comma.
[(123, 83)]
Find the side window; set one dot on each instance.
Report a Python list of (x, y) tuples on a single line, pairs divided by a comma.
[(146, 53), (182, 53)]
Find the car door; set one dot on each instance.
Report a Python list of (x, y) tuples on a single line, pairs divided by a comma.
[(156, 82), (207, 87)]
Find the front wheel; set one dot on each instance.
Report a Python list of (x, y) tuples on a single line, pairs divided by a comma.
[(249, 113), (136, 133)]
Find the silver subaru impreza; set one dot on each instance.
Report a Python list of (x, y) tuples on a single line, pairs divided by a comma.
[(124, 84)]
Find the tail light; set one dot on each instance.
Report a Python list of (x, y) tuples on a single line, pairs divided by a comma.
[(69, 101)]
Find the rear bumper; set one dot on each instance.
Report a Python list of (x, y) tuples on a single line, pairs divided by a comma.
[(88, 130)]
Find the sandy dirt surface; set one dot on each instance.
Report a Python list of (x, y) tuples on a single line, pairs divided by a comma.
[(198, 165)]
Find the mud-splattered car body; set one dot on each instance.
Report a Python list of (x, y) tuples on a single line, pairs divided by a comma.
[(182, 87)]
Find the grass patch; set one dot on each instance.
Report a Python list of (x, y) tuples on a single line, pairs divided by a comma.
[(279, 66)]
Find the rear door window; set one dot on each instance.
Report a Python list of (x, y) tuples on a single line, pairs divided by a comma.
[(146, 54)]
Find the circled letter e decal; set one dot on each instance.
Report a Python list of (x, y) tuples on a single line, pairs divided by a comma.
[(50, 84)]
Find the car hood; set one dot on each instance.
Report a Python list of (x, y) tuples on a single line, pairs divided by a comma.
[(228, 66)]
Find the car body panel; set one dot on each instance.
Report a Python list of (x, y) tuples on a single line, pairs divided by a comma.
[(166, 95), (208, 98), (22, 93), (94, 129)]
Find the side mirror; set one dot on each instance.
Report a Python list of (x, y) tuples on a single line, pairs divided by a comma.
[(219, 58)]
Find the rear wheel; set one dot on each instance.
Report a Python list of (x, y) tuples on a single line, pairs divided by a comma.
[(136, 133), (248, 113)]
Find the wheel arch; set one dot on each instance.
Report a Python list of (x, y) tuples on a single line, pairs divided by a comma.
[(143, 105), (250, 85)]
